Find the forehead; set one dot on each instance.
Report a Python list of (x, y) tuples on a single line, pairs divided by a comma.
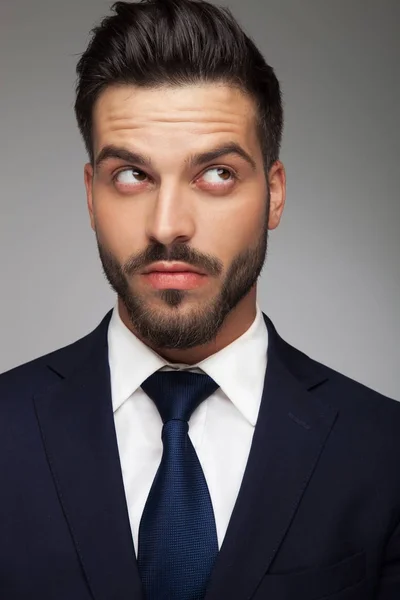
[(193, 115)]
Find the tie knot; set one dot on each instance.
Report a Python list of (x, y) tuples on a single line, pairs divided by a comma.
[(178, 393)]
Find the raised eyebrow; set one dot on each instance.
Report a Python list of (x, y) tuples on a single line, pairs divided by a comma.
[(123, 154), (197, 160)]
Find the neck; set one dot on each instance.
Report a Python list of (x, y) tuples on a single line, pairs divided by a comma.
[(236, 324)]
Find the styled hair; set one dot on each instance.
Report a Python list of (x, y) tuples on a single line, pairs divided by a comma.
[(154, 43)]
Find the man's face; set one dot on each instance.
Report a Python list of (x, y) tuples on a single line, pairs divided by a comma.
[(179, 178)]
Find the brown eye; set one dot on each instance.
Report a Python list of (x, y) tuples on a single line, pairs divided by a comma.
[(140, 175), (224, 174), (130, 176), (218, 175)]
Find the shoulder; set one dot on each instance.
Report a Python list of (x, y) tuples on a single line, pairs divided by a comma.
[(364, 408), (37, 374), (44, 371), (362, 411), (364, 437)]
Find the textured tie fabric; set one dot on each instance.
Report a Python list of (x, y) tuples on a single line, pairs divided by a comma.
[(177, 535)]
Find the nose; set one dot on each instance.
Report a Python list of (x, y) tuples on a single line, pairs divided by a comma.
[(171, 218)]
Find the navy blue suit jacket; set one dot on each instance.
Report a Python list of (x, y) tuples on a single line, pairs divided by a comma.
[(317, 516)]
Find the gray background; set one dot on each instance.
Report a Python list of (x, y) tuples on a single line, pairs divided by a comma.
[(332, 281)]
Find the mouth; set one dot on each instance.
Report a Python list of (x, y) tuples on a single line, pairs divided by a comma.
[(172, 267), (177, 276)]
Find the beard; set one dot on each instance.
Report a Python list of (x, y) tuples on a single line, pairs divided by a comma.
[(177, 329)]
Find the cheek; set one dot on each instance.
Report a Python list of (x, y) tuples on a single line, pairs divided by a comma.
[(117, 228), (236, 230)]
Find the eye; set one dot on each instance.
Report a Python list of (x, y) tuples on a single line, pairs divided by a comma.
[(130, 177), (218, 175)]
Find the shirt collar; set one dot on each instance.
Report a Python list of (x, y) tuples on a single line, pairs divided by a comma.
[(238, 369)]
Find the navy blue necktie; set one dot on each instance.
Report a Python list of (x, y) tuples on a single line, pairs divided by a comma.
[(177, 536)]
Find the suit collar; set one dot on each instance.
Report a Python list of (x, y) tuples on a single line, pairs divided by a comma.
[(68, 361), (301, 367), (308, 372)]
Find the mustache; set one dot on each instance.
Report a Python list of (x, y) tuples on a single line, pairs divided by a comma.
[(178, 252)]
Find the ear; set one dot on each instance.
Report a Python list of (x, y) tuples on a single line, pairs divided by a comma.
[(277, 186), (88, 177)]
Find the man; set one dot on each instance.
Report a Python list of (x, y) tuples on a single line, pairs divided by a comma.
[(183, 450)]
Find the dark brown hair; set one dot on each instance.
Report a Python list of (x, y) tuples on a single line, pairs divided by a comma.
[(154, 43)]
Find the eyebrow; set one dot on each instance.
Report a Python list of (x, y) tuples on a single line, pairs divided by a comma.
[(195, 160)]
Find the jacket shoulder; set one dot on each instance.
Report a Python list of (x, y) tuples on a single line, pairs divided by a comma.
[(42, 372), (338, 389)]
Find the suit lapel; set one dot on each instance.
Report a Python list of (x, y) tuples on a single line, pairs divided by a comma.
[(77, 425), (292, 428)]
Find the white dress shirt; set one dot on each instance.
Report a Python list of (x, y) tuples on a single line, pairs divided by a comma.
[(221, 428)]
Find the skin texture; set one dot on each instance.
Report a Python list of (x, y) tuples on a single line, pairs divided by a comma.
[(214, 215)]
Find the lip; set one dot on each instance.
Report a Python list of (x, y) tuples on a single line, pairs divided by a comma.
[(174, 280), (172, 267)]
